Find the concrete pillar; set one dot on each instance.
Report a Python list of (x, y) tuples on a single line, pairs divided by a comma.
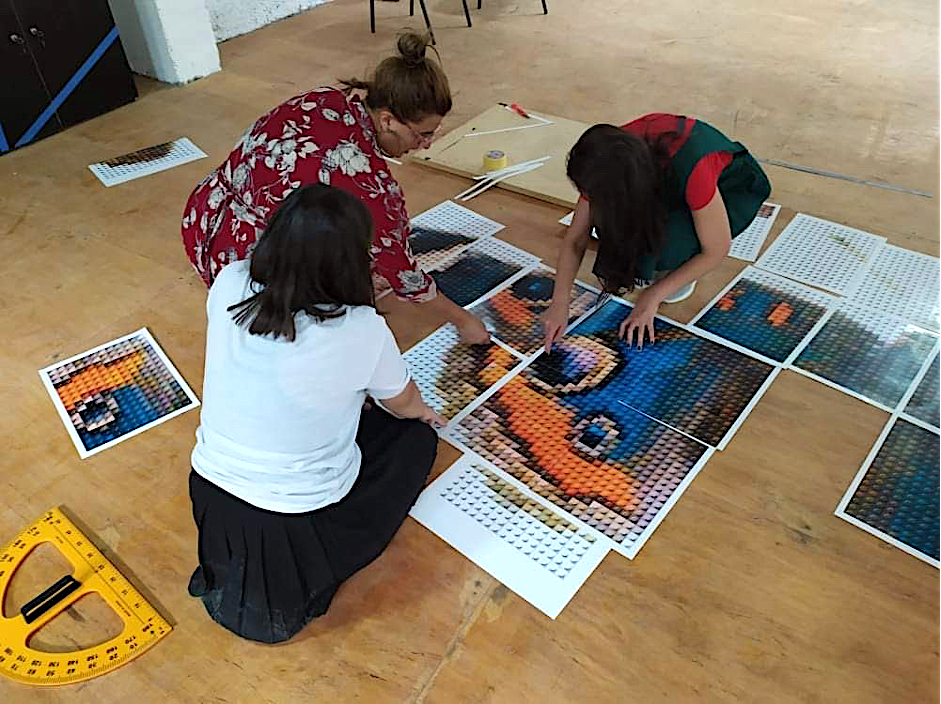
[(170, 40)]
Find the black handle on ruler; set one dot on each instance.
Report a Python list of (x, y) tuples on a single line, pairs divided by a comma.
[(49, 598)]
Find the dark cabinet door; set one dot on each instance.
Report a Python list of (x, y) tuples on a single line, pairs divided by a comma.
[(76, 47), (24, 94)]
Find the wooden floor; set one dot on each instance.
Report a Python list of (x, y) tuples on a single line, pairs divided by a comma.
[(750, 591)]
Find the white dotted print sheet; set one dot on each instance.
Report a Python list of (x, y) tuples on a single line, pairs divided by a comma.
[(908, 513), (472, 274), (449, 229), (515, 316), (779, 282), (116, 391), (451, 217), (449, 373), (528, 546), (900, 282), (427, 361), (785, 290), (504, 251), (146, 161), (749, 242), (868, 354), (820, 253), (430, 259)]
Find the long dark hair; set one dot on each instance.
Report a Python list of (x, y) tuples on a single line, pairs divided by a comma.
[(312, 257), (624, 177), (411, 86)]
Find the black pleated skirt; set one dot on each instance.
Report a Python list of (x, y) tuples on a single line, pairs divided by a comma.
[(265, 575)]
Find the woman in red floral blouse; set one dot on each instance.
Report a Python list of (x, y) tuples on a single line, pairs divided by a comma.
[(338, 138)]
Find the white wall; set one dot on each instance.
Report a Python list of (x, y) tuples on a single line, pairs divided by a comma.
[(170, 40), (175, 40), (231, 18)]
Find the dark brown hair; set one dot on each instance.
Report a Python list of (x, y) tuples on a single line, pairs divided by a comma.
[(312, 257), (411, 86), (625, 179)]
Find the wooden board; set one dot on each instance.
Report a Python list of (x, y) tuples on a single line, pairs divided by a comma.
[(750, 590), (459, 154)]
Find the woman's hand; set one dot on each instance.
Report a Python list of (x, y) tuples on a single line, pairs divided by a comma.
[(640, 320), (410, 405), (472, 330), (428, 415), (554, 321), (470, 327)]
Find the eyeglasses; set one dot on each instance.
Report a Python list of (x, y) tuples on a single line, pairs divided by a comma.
[(421, 136)]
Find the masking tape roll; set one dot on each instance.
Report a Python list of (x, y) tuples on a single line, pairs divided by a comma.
[(494, 159)]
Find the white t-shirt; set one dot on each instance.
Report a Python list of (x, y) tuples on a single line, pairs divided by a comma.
[(279, 418)]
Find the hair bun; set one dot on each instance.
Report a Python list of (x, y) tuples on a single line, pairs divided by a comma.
[(412, 47)]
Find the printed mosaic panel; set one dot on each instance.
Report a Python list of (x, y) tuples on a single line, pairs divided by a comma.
[(923, 404), (749, 242), (441, 232), (514, 314), (765, 313), (873, 355), (451, 374), (480, 268), (895, 496), (902, 283), (545, 537), (146, 161), (431, 247), (539, 554), (570, 440), (820, 253), (692, 384), (117, 390), (456, 219)]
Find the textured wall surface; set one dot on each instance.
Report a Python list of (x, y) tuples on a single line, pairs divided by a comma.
[(231, 18), (170, 40)]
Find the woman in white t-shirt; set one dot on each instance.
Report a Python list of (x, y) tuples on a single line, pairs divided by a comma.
[(294, 486)]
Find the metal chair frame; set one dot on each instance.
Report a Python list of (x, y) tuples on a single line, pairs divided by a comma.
[(424, 11)]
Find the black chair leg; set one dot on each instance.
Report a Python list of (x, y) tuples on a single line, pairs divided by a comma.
[(424, 12), (478, 3), (411, 8), (545, 10), (372, 16), (466, 12)]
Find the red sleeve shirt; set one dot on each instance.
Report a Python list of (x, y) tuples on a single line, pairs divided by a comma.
[(702, 183), (320, 136), (701, 186)]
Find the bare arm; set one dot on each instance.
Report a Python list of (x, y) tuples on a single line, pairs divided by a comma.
[(570, 258), (715, 238), (409, 404), (571, 253), (712, 229), (469, 325)]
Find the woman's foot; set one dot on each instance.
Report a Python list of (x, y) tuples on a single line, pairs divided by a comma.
[(681, 294)]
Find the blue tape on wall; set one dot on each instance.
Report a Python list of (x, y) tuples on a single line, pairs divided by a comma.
[(68, 88)]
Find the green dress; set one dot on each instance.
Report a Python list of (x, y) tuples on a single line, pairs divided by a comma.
[(743, 185)]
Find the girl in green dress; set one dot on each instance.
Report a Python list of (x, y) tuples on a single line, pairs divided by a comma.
[(666, 194)]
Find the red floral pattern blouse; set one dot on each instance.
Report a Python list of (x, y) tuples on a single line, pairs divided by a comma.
[(319, 136)]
